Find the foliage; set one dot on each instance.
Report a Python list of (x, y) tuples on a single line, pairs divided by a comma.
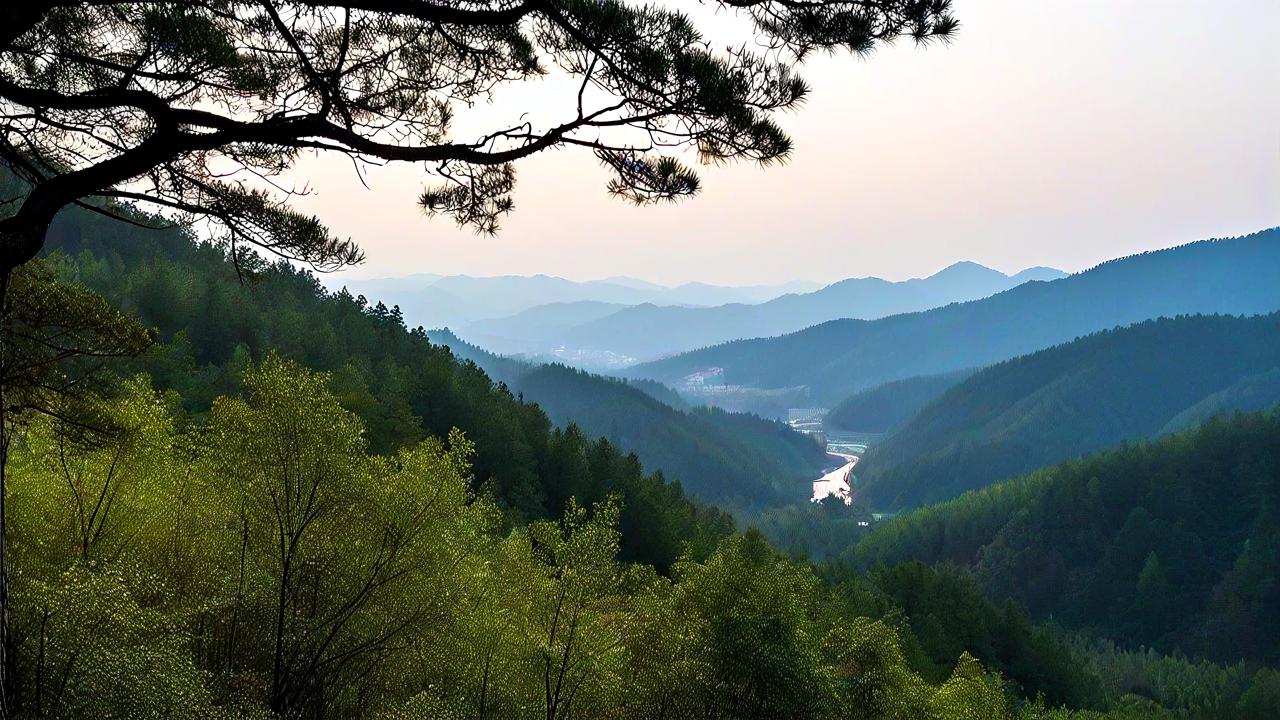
[(1064, 402), (210, 325), (735, 460), (94, 650), (941, 613), (261, 560), (888, 406), (269, 562), (172, 105), (814, 530), (401, 385), (1172, 544), (57, 337)]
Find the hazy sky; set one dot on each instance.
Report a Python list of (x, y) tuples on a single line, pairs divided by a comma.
[(1050, 132)]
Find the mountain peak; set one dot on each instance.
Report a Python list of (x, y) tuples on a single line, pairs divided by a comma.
[(966, 267)]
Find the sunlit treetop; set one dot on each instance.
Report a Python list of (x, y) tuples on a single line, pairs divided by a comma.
[(201, 107)]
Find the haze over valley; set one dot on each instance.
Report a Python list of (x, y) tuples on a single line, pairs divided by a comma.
[(613, 323)]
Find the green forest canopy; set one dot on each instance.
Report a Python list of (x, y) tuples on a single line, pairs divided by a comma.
[(928, 615), (1173, 544), (262, 559), (734, 460), (1063, 402), (404, 388), (399, 537)]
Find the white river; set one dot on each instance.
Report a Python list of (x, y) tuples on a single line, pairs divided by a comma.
[(835, 482)]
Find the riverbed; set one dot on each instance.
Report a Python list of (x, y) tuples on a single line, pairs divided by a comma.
[(836, 482)]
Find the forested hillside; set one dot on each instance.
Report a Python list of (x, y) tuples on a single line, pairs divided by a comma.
[(1035, 410), (898, 642), (410, 600), (839, 358), (213, 323), (1173, 544), (204, 313), (233, 487), (1255, 392), (731, 460), (397, 595), (885, 407)]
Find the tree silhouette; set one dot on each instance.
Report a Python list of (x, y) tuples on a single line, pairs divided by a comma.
[(199, 108), (57, 337), (179, 105)]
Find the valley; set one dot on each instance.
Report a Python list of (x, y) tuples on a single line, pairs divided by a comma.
[(941, 482), (628, 360)]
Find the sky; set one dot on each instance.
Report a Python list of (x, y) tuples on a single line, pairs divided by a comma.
[(1049, 132)]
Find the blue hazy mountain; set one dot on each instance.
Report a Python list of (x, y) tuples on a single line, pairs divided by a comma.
[(885, 407), (457, 300), (652, 330), (838, 358), (1254, 392), (526, 331)]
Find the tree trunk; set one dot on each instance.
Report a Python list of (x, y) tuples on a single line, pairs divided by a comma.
[(20, 241), (6, 649)]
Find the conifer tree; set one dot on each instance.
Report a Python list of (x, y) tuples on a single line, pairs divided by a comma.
[(198, 108)]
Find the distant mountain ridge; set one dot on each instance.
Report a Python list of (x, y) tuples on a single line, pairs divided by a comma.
[(1038, 273), (651, 330), (456, 300), (1254, 392), (524, 332), (838, 358)]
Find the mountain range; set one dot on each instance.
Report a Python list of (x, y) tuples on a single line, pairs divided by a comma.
[(885, 407), (588, 330), (455, 300), (1169, 544), (835, 359)]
